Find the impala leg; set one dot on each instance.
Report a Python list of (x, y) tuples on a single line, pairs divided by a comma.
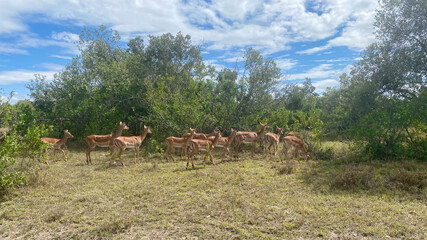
[(192, 162), (211, 158), (88, 159), (275, 148), (195, 151), (54, 154), (236, 150), (189, 156), (182, 151), (188, 162), (63, 152), (171, 154), (137, 155), (112, 155), (253, 149), (120, 156), (166, 154), (269, 147), (284, 151)]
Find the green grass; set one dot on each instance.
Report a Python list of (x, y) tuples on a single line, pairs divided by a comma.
[(258, 198)]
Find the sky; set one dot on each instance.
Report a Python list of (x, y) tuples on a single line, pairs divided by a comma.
[(316, 39)]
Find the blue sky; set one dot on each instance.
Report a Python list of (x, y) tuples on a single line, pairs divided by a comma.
[(315, 39)]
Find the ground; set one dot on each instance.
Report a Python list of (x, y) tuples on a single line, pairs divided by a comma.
[(257, 198)]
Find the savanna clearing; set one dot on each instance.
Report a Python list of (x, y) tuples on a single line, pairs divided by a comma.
[(257, 198)]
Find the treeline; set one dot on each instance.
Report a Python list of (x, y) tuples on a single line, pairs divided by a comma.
[(164, 83)]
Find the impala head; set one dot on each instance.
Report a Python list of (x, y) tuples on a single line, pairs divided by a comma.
[(123, 125), (68, 134), (265, 125), (217, 134), (147, 129), (192, 130), (279, 130)]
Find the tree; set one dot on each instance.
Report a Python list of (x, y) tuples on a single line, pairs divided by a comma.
[(387, 84), (259, 79)]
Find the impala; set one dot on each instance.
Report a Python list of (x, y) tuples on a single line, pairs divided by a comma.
[(103, 141), (298, 144), (272, 139), (225, 142), (56, 143), (129, 142), (248, 137), (176, 142), (295, 134), (201, 135), (202, 145)]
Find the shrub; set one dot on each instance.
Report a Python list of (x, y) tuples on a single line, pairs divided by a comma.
[(30, 146), (9, 148)]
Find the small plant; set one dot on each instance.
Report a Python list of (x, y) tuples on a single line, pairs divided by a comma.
[(287, 168), (353, 176)]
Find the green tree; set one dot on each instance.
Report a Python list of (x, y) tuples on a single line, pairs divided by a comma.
[(259, 79), (387, 84)]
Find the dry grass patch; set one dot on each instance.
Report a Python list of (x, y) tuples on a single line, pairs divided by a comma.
[(246, 199)]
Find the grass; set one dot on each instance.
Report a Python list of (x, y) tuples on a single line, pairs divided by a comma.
[(258, 198)]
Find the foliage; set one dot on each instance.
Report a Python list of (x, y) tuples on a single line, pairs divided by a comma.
[(14, 144), (8, 150), (165, 83)]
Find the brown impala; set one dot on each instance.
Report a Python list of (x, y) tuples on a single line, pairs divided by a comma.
[(57, 143), (272, 139), (248, 137), (103, 141), (202, 145), (298, 144), (225, 142), (129, 142), (176, 142)]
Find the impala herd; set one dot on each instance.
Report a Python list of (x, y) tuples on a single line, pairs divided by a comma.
[(190, 143)]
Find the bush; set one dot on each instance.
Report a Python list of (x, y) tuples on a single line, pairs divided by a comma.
[(30, 146), (9, 178)]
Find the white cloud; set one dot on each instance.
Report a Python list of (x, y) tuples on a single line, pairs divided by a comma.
[(234, 59), (345, 59), (321, 71), (285, 64), (358, 30), (15, 98), (51, 66), (66, 36), (11, 49), (322, 85), (22, 76), (269, 26), (61, 57)]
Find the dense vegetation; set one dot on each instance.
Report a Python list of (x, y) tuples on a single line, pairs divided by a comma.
[(381, 105), (368, 141)]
